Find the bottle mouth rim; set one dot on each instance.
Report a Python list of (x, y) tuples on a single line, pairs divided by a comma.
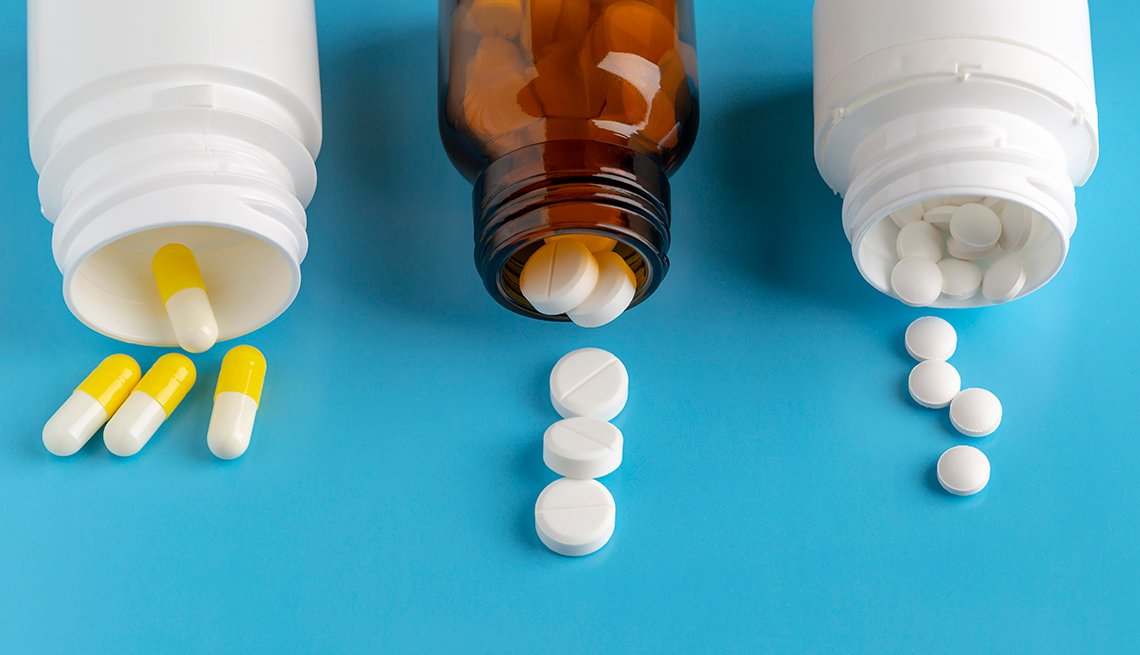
[(519, 202)]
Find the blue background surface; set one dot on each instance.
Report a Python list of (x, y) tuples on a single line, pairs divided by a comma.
[(778, 491)]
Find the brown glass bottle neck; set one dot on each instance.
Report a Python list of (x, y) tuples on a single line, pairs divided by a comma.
[(559, 187)]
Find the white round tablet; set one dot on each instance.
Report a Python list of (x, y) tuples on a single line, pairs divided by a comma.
[(975, 412), (920, 239), (559, 276), (908, 214), (611, 296), (574, 517), (963, 470), (934, 383), (930, 337), (1004, 279), (940, 216), (589, 382), (960, 279), (1016, 226), (917, 281), (975, 226), (958, 251), (582, 447)]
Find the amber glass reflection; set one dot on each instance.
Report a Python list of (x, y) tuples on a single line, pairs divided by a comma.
[(568, 115)]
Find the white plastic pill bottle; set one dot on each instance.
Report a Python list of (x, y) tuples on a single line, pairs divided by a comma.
[(189, 121), (921, 104)]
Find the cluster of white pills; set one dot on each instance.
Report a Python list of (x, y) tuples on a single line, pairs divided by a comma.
[(935, 383), (956, 247), (575, 514), (579, 276)]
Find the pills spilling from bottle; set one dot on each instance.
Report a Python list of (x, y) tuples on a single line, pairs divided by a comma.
[(589, 382), (963, 470), (92, 403), (183, 293), (579, 276), (936, 384), (157, 395), (236, 398), (951, 249)]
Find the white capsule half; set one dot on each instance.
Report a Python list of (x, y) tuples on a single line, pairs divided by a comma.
[(231, 424), (133, 425), (73, 424), (193, 320)]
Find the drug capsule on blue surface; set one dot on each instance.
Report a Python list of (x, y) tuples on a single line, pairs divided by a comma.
[(94, 401), (236, 399), (157, 395), (183, 294)]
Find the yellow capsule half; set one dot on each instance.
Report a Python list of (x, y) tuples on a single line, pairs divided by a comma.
[(183, 293), (236, 399), (99, 396), (157, 395)]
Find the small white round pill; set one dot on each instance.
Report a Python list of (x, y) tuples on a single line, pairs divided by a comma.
[(559, 276), (908, 214), (930, 337), (960, 279), (965, 253), (917, 281), (575, 517), (963, 470), (1004, 279), (611, 296), (940, 216), (934, 383), (920, 239), (1016, 226), (975, 412), (582, 447), (589, 382), (975, 226)]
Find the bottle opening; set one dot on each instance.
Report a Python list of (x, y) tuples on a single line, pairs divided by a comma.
[(249, 280)]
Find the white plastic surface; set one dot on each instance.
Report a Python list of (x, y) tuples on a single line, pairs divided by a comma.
[(574, 517), (931, 337), (963, 470), (157, 122), (1016, 228), (589, 382), (917, 281), (975, 412), (611, 296), (559, 276), (73, 424), (193, 320), (933, 103), (934, 383), (231, 424), (133, 425), (582, 448)]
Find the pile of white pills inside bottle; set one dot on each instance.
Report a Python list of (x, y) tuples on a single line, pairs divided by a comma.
[(955, 248), (575, 515), (975, 412), (579, 276)]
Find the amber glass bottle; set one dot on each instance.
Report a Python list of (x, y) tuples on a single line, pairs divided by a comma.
[(568, 116)]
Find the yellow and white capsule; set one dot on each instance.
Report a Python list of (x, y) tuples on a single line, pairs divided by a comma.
[(184, 295), (235, 402), (94, 401), (157, 395)]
